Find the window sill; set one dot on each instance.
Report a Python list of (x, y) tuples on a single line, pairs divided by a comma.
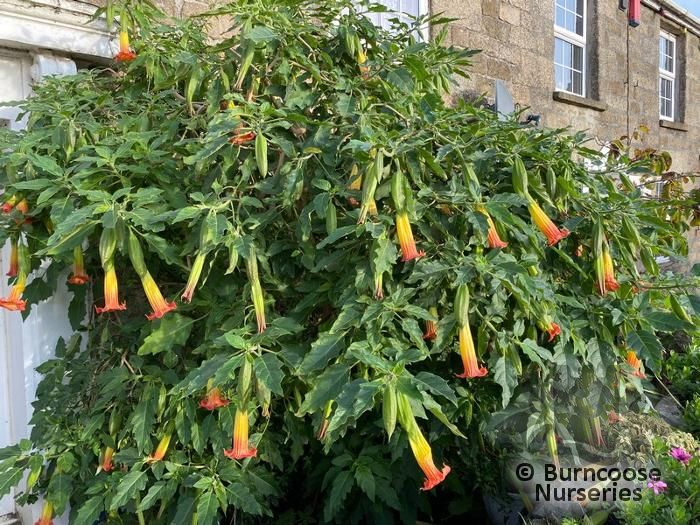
[(575, 100), (670, 124)]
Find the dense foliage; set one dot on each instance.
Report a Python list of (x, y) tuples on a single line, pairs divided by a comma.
[(345, 234)]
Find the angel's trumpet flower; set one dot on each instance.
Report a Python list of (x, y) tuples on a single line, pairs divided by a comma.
[(125, 53), (46, 515), (545, 224), (635, 363), (162, 448), (213, 400), (420, 446), (79, 276), (193, 279), (107, 465), (431, 326), (108, 246), (14, 301), (155, 298), (241, 448), (494, 240), (466, 342)]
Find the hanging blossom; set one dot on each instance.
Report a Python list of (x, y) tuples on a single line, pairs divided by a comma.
[(107, 465), (108, 247), (680, 454), (79, 276), (8, 204), (545, 224), (14, 259), (494, 240), (466, 342), (125, 53), (155, 298), (46, 515), (609, 272), (635, 363), (420, 446), (379, 286), (256, 292), (240, 448), (402, 197), (162, 449), (213, 399), (431, 326), (549, 326), (193, 279), (14, 301)]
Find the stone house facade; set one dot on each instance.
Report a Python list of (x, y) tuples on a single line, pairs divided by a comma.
[(526, 45)]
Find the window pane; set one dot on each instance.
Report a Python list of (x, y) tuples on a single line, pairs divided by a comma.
[(578, 57), (560, 17), (579, 25), (666, 97), (568, 67)]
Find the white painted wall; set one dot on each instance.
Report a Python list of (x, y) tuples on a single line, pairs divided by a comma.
[(30, 33)]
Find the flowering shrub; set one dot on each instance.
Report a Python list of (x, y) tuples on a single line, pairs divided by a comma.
[(285, 241)]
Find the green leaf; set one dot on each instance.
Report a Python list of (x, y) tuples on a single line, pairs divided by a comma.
[(401, 79), (268, 369), (327, 386), (8, 479), (435, 409), (143, 417), (241, 497), (184, 511), (667, 322), (342, 484), (89, 512), (207, 508), (261, 34), (339, 233), (505, 375), (647, 346), (128, 488), (171, 331), (59, 491), (365, 480), (326, 347), (425, 381), (535, 352)]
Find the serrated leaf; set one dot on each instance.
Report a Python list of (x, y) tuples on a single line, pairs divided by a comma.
[(171, 331), (268, 369), (425, 381), (207, 508), (143, 417), (365, 480), (342, 484), (326, 347), (667, 322), (128, 488), (184, 511), (505, 375), (89, 512), (327, 386)]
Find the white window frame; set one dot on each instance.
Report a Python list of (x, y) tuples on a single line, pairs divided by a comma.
[(670, 76), (576, 40)]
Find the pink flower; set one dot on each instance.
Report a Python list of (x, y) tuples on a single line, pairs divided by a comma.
[(680, 454), (657, 486)]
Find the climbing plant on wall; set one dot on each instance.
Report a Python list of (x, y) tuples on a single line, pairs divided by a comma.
[(299, 274)]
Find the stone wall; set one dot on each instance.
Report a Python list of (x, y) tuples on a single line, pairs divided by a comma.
[(517, 42)]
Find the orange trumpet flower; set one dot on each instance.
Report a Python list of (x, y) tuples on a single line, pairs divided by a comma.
[(125, 53), (193, 279), (162, 449), (79, 276), (494, 240), (468, 354), (635, 363), (431, 326), (424, 457), (155, 298), (46, 515), (213, 400), (107, 465), (545, 224), (111, 291), (241, 448), (406, 241)]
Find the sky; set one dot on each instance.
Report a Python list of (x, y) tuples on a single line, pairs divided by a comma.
[(691, 5)]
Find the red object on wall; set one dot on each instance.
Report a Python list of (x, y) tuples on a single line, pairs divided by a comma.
[(634, 12)]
